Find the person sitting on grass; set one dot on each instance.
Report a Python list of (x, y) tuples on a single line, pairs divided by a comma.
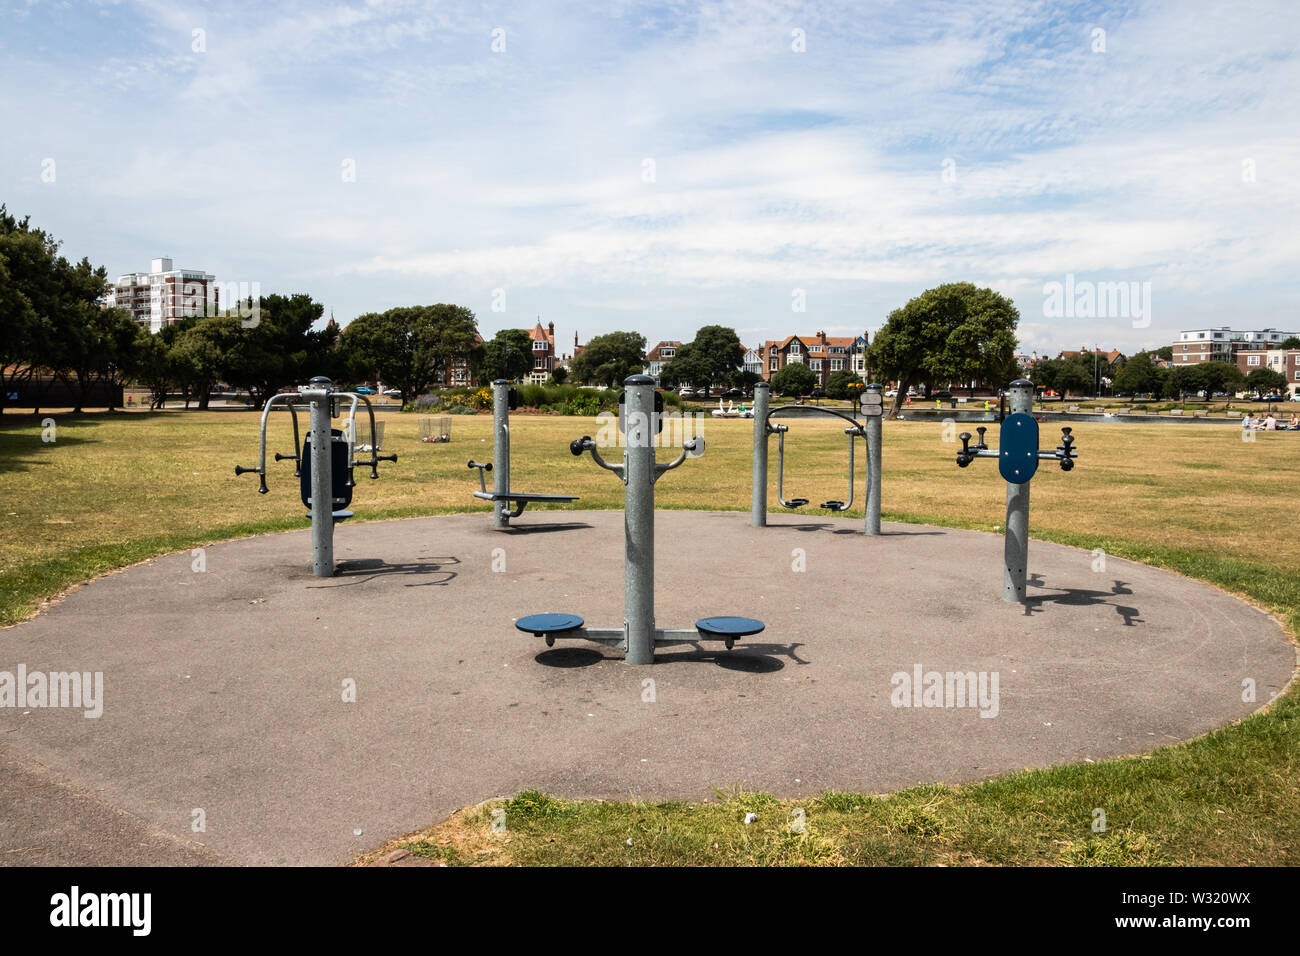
[(1293, 423), (1270, 423)]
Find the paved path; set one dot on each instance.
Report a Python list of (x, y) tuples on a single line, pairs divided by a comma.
[(223, 689)]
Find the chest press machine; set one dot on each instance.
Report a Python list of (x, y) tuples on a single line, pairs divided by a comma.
[(1018, 459), (324, 462), (640, 421), (505, 398)]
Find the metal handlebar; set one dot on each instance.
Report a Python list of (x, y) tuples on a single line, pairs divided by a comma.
[(585, 443)]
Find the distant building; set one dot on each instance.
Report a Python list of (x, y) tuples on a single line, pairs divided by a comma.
[(659, 357), (164, 295), (1223, 344), (1283, 361), (823, 354), (544, 355)]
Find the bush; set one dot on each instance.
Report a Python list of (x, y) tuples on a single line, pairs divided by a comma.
[(461, 410)]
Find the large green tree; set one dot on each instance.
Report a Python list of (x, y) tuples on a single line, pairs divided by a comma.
[(410, 348), (30, 292), (1139, 375), (283, 348), (794, 380), (714, 357), (508, 355), (609, 359), (953, 332), (1264, 381)]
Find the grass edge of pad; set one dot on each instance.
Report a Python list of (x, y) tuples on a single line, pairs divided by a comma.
[(1229, 796)]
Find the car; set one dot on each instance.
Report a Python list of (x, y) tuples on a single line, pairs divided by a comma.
[(392, 392), (944, 396), (365, 390), (892, 393), (819, 393), (686, 393)]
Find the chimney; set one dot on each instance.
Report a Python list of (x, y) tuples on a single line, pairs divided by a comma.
[(575, 341), (550, 329)]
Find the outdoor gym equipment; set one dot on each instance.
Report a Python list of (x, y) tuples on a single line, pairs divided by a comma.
[(1018, 459), (640, 420), (504, 398), (868, 406), (324, 462)]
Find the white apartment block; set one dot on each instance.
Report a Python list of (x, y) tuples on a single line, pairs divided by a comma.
[(164, 295)]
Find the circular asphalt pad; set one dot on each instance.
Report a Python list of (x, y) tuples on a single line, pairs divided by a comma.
[(306, 720)]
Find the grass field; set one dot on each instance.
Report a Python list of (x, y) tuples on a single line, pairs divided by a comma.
[(110, 490)]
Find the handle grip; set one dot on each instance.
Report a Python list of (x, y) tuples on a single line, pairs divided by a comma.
[(279, 457), (579, 445), (485, 467)]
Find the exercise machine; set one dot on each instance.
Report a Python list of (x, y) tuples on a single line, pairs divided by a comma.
[(1018, 457), (323, 463), (640, 422), (505, 398), (868, 406)]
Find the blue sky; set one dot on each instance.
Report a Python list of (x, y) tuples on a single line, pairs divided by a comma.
[(663, 166)]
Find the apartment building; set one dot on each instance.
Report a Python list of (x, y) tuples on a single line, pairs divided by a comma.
[(1223, 344), (164, 295)]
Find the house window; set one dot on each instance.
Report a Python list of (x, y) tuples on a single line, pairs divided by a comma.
[(794, 348), (539, 345), (668, 353), (539, 362), (815, 365), (1252, 360), (837, 365), (774, 363)]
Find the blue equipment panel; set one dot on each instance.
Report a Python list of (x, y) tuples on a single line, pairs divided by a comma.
[(339, 474), (729, 626), (1018, 451), (549, 623)]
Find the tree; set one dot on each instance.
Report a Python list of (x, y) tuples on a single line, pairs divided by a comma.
[(715, 357), (609, 359), (1165, 352), (794, 380), (559, 375), (410, 348), (1265, 381), (29, 294), (202, 354), (1222, 377), (1138, 375), (1290, 342), (839, 384), (283, 348), (509, 355), (954, 332)]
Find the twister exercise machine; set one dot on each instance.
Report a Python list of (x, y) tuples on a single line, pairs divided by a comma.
[(640, 421), (324, 462), (504, 398), (869, 407), (1018, 459)]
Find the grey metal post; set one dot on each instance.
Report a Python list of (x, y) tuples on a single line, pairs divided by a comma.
[(322, 477), (874, 441), (639, 519), (758, 503), (1020, 400), (501, 451)]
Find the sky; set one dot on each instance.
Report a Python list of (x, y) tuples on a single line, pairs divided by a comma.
[(774, 167)]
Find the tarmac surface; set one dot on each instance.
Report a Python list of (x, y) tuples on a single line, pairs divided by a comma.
[(225, 676)]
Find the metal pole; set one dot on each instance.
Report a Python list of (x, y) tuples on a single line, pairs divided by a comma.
[(639, 520), (322, 478), (874, 442), (1020, 400), (501, 451), (758, 503)]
